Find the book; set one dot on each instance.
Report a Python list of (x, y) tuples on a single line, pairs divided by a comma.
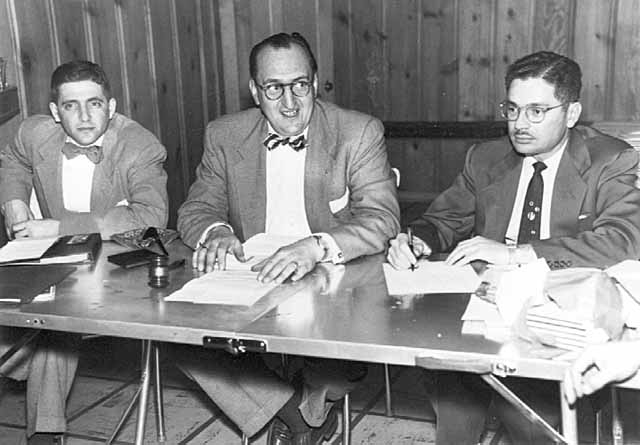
[(81, 248), (22, 283)]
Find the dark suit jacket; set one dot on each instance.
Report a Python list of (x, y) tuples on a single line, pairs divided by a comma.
[(346, 152), (595, 208), (131, 169)]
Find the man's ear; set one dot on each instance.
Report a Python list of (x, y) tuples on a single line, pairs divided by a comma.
[(54, 111), (254, 92), (573, 113), (112, 107), (315, 85)]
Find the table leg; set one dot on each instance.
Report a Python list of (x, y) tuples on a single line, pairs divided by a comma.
[(144, 391), (526, 411), (387, 391), (569, 419), (158, 387), (346, 421)]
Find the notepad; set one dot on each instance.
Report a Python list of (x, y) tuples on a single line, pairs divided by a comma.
[(67, 249)]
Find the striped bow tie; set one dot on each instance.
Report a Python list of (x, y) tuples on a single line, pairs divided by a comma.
[(93, 153), (274, 141)]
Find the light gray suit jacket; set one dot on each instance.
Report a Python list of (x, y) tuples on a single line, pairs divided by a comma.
[(131, 170), (346, 153), (595, 207)]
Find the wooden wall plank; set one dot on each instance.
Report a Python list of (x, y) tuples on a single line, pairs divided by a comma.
[(553, 26), (342, 52), (513, 40), (244, 43), (137, 62), (167, 98), (192, 96), (476, 77), (324, 50), (212, 60), (626, 88), (69, 19), (36, 58), (593, 20), (101, 14), (229, 46), (404, 88)]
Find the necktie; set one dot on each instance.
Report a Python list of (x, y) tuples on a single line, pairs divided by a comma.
[(274, 141), (531, 210), (93, 153)]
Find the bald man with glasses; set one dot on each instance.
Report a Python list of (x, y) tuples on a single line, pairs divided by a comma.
[(551, 190)]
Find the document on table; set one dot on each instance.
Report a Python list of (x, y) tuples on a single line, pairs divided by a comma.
[(237, 285), (25, 249), (431, 277)]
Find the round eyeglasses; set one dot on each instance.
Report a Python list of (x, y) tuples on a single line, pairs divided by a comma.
[(534, 113), (274, 91)]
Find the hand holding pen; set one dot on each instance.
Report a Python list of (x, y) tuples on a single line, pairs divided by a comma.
[(410, 243), (405, 249)]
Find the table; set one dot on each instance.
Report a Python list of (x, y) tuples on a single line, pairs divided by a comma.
[(357, 321)]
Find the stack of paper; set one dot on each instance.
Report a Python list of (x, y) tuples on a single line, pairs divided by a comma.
[(557, 327)]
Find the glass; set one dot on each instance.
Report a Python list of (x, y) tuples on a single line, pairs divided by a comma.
[(274, 91), (534, 113)]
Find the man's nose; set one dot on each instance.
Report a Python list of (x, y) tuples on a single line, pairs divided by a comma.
[(84, 113), (287, 97), (522, 121)]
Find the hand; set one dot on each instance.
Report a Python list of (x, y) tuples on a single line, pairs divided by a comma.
[(15, 211), (36, 228), (479, 248), (600, 364), (214, 249), (294, 260), (400, 255)]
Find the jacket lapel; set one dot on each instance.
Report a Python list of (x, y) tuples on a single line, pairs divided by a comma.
[(500, 195), (48, 176), (319, 164), (250, 179), (569, 188)]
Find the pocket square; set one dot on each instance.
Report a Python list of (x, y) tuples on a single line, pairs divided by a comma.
[(124, 202), (338, 204), (583, 216)]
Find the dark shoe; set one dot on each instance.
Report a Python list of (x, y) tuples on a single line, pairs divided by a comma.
[(46, 439), (279, 433)]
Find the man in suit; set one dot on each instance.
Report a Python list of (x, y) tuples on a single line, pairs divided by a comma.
[(550, 190), (298, 166), (83, 169)]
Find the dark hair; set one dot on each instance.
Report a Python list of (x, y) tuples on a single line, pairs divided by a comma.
[(560, 71), (77, 70), (281, 40)]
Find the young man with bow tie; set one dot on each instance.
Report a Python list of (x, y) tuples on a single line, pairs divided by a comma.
[(552, 189), (91, 169), (294, 165), (83, 169)]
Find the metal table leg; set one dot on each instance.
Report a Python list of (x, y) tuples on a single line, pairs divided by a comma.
[(144, 391), (158, 387), (387, 392), (346, 421), (569, 418)]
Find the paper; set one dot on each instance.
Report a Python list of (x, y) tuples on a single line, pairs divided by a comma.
[(237, 285), (627, 277), (431, 277), (520, 285), (25, 249)]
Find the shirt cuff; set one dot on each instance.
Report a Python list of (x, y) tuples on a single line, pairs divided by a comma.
[(209, 229), (332, 253), (522, 254)]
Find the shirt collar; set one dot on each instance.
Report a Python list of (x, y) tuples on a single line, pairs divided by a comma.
[(551, 162), (97, 143)]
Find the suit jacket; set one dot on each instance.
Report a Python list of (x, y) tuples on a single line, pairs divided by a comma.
[(346, 156), (595, 207), (131, 170)]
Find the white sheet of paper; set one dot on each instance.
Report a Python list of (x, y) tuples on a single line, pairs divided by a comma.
[(519, 285), (25, 248), (627, 275), (431, 277), (237, 285)]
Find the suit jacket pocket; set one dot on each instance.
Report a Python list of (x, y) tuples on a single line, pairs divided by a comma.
[(338, 204)]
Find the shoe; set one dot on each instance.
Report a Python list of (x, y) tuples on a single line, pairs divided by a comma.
[(46, 439), (280, 434)]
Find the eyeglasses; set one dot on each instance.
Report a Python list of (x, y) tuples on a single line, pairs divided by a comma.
[(274, 91), (534, 113)]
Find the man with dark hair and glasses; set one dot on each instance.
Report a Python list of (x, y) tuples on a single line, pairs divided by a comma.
[(549, 190), (294, 165)]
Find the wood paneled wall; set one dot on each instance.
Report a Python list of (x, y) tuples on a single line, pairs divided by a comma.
[(176, 64)]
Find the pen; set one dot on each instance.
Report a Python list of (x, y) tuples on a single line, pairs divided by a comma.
[(410, 236)]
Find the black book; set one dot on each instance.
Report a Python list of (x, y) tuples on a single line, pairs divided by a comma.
[(82, 248)]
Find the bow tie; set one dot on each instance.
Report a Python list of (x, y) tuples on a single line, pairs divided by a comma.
[(274, 141), (93, 153)]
